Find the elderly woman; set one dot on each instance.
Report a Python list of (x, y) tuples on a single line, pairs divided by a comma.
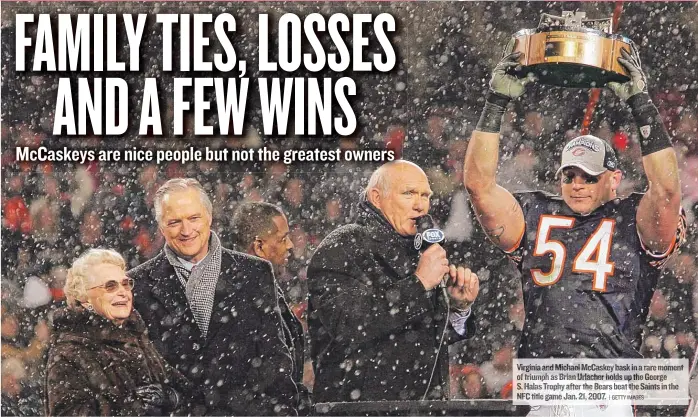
[(101, 361)]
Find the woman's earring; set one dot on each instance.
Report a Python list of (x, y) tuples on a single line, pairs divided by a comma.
[(90, 308)]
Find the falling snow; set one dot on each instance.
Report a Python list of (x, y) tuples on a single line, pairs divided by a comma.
[(424, 110)]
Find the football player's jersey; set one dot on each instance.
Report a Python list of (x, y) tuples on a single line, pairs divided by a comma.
[(587, 280)]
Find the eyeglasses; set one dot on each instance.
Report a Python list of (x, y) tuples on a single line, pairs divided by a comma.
[(113, 285)]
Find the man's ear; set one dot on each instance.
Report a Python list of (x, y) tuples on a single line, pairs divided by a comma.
[(615, 180), (374, 197), (257, 248)]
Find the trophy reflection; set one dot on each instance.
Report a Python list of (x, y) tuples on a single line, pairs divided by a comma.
[(571, 51)]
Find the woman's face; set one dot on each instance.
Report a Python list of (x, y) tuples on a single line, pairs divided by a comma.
[(109, 292)]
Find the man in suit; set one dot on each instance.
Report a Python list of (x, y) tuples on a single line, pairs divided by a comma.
[(261, 229), (380, 315), (212, 312)]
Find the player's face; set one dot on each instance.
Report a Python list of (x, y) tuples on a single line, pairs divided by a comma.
[(406, 199), (186, 224), (584, 193)]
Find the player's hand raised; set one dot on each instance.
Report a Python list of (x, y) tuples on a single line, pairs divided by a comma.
[(507, 84), (638, 79), (463, 287)]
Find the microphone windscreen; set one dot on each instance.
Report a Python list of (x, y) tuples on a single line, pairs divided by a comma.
[(427, 233)]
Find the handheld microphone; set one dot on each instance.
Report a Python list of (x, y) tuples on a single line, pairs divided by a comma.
[(427, 233)]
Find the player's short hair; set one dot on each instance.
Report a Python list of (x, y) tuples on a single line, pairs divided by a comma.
[(250, 221), (75, 287), (180, 184)]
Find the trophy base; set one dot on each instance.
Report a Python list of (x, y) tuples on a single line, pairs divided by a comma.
[(571, 75)]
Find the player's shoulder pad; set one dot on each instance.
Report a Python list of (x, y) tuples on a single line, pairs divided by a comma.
[(530, 198), (627, 205), (634, 198)]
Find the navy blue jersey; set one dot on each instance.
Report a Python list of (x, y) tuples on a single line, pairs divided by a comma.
[(587, 280)]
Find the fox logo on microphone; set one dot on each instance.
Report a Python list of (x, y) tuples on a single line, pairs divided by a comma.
[(430, 236)]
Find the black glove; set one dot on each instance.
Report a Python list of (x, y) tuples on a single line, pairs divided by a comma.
[(158, 396)]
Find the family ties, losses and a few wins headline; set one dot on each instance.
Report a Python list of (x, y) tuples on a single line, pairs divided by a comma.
[(98, 103)]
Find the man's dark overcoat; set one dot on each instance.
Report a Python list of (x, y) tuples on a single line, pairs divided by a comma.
[(374, 329), (244, 365)]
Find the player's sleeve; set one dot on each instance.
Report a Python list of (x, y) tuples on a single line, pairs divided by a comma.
[(658, 259)]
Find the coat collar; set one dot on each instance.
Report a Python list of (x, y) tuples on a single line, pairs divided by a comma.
[(222, 292), (166, 286), (394, 249), (378, 226), (86, 324), (168, 290)]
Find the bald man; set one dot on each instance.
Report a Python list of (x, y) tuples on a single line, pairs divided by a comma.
[(378, 311)]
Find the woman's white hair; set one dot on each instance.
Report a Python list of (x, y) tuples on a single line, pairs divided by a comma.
[(78, 275), (180, 184)]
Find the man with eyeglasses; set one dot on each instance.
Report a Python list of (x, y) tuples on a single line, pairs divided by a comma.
[(213, 313), (589, 259)]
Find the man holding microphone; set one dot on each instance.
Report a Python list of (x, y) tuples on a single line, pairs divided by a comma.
[(380, 318)]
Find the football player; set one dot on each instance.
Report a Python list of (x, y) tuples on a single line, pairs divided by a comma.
[(589, 259)]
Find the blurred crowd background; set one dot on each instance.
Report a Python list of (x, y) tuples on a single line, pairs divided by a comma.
[(425, 110)]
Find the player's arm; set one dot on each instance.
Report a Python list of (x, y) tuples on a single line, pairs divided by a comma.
[(658, 213), (496, 208), (659, 210)]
